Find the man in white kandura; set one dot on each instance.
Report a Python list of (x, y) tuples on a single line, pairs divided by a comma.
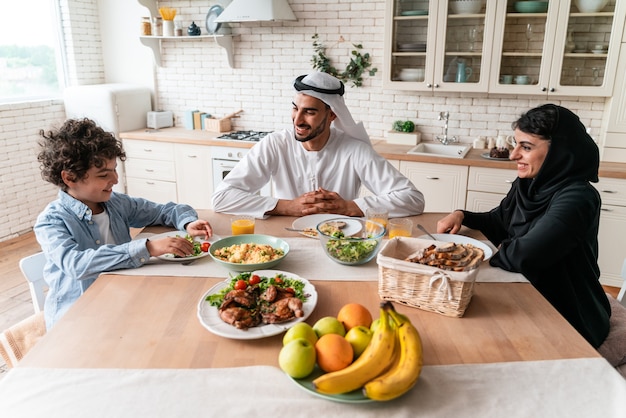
[(318, 166)]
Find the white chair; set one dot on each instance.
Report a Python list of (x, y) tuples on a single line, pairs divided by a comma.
[(32, 268), (620, 296)]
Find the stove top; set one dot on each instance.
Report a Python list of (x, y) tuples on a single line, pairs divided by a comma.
[(252, 136)]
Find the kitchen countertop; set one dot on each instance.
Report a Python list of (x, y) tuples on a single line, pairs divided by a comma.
[(389, 151)]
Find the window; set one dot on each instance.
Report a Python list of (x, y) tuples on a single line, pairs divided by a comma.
[(31, 58)]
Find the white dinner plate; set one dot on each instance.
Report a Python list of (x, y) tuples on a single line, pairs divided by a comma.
[(211, 25), (210, 318), (311, 221), (170, 257), (462, 239)]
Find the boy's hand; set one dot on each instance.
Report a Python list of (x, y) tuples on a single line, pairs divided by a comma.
[(200, 228), (170, 245)]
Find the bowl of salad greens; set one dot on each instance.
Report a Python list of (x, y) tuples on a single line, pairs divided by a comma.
[(351, 250)]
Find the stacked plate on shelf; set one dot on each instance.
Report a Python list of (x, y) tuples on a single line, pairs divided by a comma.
[(411, 46)]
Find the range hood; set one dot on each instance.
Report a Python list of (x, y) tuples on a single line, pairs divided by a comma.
[(256, 11)]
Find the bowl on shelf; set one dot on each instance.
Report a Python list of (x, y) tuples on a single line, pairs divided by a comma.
[(590, 6), (411, 74), (274, 242), (353, 250), (463, 7), (531, 6)]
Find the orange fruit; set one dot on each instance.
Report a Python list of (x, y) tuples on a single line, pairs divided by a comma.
[(333, 352), (354, 314)]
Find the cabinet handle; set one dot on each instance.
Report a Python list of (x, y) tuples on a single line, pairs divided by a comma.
[(606, 210), (432, 178), (609, 191), (429, 85), (552, 90), (149, 170), (150, 183), (509, 181), (436, 85), (147, 150), (192, 156), (544, 89)]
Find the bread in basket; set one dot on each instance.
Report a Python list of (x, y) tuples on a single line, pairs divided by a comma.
[(436, 288)]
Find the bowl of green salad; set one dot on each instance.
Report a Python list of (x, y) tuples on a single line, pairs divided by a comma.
[(352, 250)]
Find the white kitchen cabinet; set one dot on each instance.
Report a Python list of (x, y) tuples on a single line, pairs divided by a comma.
[(614, 149), (150, 170), (612, 230), (431, 37), (557, 49), (194, 175), (444, 186), (486, 187)]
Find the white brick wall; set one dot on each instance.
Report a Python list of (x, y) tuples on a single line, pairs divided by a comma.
[(269, 55), (23, 194)]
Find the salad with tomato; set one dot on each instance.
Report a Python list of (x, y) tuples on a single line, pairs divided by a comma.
[(244, 280)]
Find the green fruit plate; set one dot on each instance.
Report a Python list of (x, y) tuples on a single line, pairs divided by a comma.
[(356, 396)]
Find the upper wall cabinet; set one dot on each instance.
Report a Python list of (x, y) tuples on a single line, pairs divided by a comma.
[(438, 45), (498, 47), (560, 51)]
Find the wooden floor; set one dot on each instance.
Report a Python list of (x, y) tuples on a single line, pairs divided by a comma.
[(15, 301)]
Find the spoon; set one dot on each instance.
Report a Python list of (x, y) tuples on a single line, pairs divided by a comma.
[(419, 226)]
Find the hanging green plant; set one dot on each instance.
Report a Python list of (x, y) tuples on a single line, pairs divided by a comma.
[(359, 63)]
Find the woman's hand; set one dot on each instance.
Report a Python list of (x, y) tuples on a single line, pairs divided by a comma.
[(200, 227), (451, 223)]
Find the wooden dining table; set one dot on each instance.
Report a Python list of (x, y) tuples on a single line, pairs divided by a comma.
[(150, 322)]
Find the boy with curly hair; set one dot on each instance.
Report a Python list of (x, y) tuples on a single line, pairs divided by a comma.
[(86, 230)]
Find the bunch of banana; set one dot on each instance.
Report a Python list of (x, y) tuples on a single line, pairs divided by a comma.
[(376, 358), (405, 371)]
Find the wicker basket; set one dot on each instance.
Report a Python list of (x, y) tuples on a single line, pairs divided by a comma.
[(420, 286), (217, 125)]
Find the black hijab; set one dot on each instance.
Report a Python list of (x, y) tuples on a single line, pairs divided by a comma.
[(572, 157)]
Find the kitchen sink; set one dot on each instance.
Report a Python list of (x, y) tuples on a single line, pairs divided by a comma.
[(440, 150)]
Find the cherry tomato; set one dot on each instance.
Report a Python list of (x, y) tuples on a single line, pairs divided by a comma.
[(241, 285), (254, 279), (278, 280), (205, 247)]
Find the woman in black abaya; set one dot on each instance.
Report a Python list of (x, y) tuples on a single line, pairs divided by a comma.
[(546, 227)]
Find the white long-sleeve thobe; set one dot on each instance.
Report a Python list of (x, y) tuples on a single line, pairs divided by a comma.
[(342, 166)]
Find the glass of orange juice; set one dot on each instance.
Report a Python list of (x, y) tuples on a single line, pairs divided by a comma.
[(400, 227), (242, 224), (379, 215)]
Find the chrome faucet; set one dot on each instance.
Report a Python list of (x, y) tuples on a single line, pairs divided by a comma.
[(445, 139)]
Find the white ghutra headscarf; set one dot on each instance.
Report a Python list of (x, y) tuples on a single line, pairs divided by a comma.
[(330, 90)]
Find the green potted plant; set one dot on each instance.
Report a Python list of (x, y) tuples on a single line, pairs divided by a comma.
[(403, 132)]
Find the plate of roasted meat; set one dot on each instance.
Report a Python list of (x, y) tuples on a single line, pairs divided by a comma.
[(258, 304)]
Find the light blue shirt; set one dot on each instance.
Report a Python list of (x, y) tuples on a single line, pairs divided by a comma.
[(75, 252)]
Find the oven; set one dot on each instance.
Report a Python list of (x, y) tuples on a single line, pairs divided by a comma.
[(224, 158)]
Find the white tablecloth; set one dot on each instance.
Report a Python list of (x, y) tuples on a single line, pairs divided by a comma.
[(563, 388), (306, 259)]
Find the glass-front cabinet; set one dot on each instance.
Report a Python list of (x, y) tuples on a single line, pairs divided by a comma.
[(439, 45), (558, 51), (503, 46)]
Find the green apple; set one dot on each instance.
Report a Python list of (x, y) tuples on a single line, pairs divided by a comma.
[(329, 325), (359, 338), (300, 330), (374, 325), (297, 358)]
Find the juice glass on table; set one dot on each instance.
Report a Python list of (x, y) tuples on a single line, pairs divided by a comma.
[(242, 224), (400, 228), (378, 215)]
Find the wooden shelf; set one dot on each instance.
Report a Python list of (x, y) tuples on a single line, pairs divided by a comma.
[(154, 43)]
